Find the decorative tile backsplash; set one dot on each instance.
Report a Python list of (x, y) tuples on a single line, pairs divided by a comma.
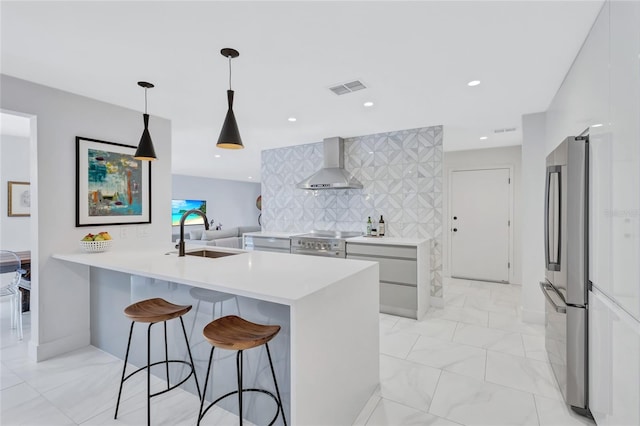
[(402, 177)]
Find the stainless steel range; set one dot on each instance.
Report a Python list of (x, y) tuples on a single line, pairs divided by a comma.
[(322, 243)]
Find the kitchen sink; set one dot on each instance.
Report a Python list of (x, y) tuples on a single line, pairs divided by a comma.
[(210, 253)]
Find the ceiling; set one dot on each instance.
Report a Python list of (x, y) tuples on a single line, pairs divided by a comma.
[(414, 57)]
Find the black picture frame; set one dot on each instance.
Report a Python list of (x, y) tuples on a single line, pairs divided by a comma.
[(112, 187)]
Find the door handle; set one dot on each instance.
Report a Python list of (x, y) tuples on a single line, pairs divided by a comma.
[(455, 229), (545, 290)]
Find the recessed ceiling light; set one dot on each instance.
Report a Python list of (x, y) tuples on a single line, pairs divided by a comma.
[(292, 119), (597, 125), (368, 104), (482, 138), (250, 177), (370, 152), (217, 156), (473, 83)]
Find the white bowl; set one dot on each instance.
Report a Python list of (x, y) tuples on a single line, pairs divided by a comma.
[(96, 246)]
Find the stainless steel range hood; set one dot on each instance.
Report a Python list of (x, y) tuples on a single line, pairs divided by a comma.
[(332, 175)]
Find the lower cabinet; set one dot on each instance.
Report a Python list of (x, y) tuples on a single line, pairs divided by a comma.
[(401, 281), (614, 363), (272, 244), (398, 299)]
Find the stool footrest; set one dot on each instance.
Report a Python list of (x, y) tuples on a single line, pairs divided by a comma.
[(164, 362), (235, 392)]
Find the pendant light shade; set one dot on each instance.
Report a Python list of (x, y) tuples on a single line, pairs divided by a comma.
[(145, 149), (230, 135)]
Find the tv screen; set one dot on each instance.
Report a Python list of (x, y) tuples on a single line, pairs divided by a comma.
[(179, 207)]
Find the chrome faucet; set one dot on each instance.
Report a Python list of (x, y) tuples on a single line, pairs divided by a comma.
[(182, 219)]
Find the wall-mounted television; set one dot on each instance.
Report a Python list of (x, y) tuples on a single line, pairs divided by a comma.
[(179, 207)]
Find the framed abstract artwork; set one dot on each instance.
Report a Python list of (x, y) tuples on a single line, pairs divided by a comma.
[(112, 188), (19, 198)]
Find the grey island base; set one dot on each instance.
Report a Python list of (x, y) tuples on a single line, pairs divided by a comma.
[(326, 356)]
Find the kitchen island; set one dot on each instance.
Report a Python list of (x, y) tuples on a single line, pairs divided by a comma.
[(326, 356)]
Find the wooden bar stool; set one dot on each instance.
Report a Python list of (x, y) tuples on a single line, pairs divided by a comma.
[(237, 334), (152, 311)]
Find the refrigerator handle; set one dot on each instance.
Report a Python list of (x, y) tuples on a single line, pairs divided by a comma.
[(552, 245), (546, 220), (545, 290)]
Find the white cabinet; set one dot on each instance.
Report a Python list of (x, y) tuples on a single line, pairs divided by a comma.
[(266, 243), (614, 363), (624, 192), (583, 98), (404, 279), (614, 199), (614, 224)]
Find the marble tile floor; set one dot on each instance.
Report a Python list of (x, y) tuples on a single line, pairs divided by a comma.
[(471, 363), (80, 388)]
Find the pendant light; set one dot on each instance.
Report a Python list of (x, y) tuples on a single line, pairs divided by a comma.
[(145, 149), (229, 135)]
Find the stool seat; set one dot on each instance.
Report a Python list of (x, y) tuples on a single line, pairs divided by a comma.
[(155, 310), (235, 333)]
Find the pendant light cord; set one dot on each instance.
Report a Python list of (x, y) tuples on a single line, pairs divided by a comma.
[(229, 72), (145, 100)]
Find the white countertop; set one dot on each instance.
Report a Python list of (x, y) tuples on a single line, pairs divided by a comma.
[(272, 234), (395, 241), (275, 277)]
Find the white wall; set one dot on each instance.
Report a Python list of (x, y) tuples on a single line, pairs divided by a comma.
[(485, 159), (14, 166), (229, 202), (533, 178), (60, 300)]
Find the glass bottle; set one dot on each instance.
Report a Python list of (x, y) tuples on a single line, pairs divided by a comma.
[(381, 227)]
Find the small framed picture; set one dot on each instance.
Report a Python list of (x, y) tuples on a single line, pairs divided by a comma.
[(112, 187), (19, 198)]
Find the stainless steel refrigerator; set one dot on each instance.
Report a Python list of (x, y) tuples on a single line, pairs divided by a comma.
[(566, 258)]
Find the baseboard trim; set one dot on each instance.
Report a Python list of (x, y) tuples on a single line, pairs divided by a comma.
[(399, 312), (60, 346)]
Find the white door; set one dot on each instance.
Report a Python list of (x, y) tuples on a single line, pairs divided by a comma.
[(480, 206)]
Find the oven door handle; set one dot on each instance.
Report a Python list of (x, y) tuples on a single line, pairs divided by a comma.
[(545, 290)]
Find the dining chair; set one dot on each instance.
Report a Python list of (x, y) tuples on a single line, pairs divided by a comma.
[(11, 281)]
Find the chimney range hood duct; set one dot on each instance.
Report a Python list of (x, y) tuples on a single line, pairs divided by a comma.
[(332, 175)]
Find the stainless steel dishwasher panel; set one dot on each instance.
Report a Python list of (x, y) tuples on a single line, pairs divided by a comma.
[(264, 243)]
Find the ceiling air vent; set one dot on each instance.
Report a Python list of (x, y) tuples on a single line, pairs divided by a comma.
[(505, 130), (344, 88)]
